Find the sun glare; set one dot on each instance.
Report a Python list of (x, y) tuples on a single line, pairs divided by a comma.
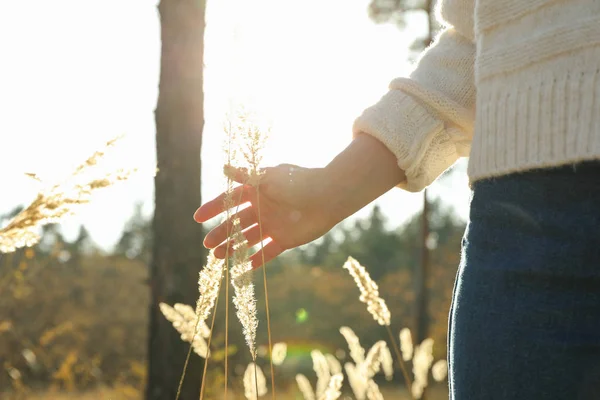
[(78, 73)]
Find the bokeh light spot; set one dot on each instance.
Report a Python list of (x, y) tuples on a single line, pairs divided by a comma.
[(301, 315)]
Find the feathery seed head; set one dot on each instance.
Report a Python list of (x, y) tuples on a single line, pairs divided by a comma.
[(209, 281), (372, 363), (333, 388), (305, 387), (369, 292), (387, 362), (373, 392), (358, 382), (422, 361), (186, 326), (334, 365), (439, 370), (406, 344), (321, 368), (189, 316), (247, 135), (255, 383), (278, 353), (357, 352), (58, 201), (241, 280)]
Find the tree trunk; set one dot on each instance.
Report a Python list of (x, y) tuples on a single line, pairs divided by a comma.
[(422, 276), (422, 299), (177, 253)]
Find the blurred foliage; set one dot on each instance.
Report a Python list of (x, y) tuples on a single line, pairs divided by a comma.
[(395, 11), (400, 12), (73, 318)]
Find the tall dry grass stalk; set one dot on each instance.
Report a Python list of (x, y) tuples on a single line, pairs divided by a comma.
[(229, 152), (356, 380), (209, 286), (376, 306), (373, 392), (439, 370), (406, 344), (279, 353), (209, 282), (328, 383), (372, 363), (361, 374), (387, 363), (357, 352), (241, 281), (334, 365), (369, 292), (255, 383), (333, 388), (188, 329), (422, 360), (305, 387), (190, 323), (60, 200), (321, 368), (250, 138)]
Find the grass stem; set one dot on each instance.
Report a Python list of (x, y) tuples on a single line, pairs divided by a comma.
[(401, 362), (264, 268), (255, 379), (212, 326)]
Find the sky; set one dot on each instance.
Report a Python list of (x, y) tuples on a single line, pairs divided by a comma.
[(76, 73)]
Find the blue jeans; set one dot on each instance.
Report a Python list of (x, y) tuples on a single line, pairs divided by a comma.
[(525, 316)]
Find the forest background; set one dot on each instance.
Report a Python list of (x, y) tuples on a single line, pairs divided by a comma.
[(74, 309)]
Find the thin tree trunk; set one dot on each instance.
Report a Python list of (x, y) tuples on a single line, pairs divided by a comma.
[(421, 325), (422, 295), (177, 253), (422, 300)]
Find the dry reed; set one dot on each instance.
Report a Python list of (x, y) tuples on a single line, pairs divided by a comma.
[(373, 392), (209, 281), (186, 328), (334, 365), (60, 200), (241, 280), (333, 388), (255, 383), (305, 387), (357, 352), (406, 344), (279, 353), (422, 360), (369, 292), (321, 368), (439, 370)]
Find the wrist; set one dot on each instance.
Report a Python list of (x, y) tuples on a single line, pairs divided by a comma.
[(362, 172)]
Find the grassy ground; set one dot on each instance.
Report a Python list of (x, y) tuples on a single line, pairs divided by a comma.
[(439, 392)]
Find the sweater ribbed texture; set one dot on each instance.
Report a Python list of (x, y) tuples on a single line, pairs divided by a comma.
[(513, 84)]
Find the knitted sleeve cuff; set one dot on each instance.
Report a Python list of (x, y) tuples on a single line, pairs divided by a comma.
[(419, 140)]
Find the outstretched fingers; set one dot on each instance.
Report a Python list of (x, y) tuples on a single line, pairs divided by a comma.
[(218, 235), (269, 252), (216, 206), (252, 235)]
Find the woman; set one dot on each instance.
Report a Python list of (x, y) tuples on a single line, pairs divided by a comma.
[(515, 85)]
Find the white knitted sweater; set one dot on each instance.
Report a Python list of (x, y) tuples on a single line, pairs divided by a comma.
[(514, 84)]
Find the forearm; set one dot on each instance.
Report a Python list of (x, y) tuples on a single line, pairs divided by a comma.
[(361, 173)]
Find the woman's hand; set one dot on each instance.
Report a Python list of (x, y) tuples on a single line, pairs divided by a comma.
[(294, 210), (298, 205)]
